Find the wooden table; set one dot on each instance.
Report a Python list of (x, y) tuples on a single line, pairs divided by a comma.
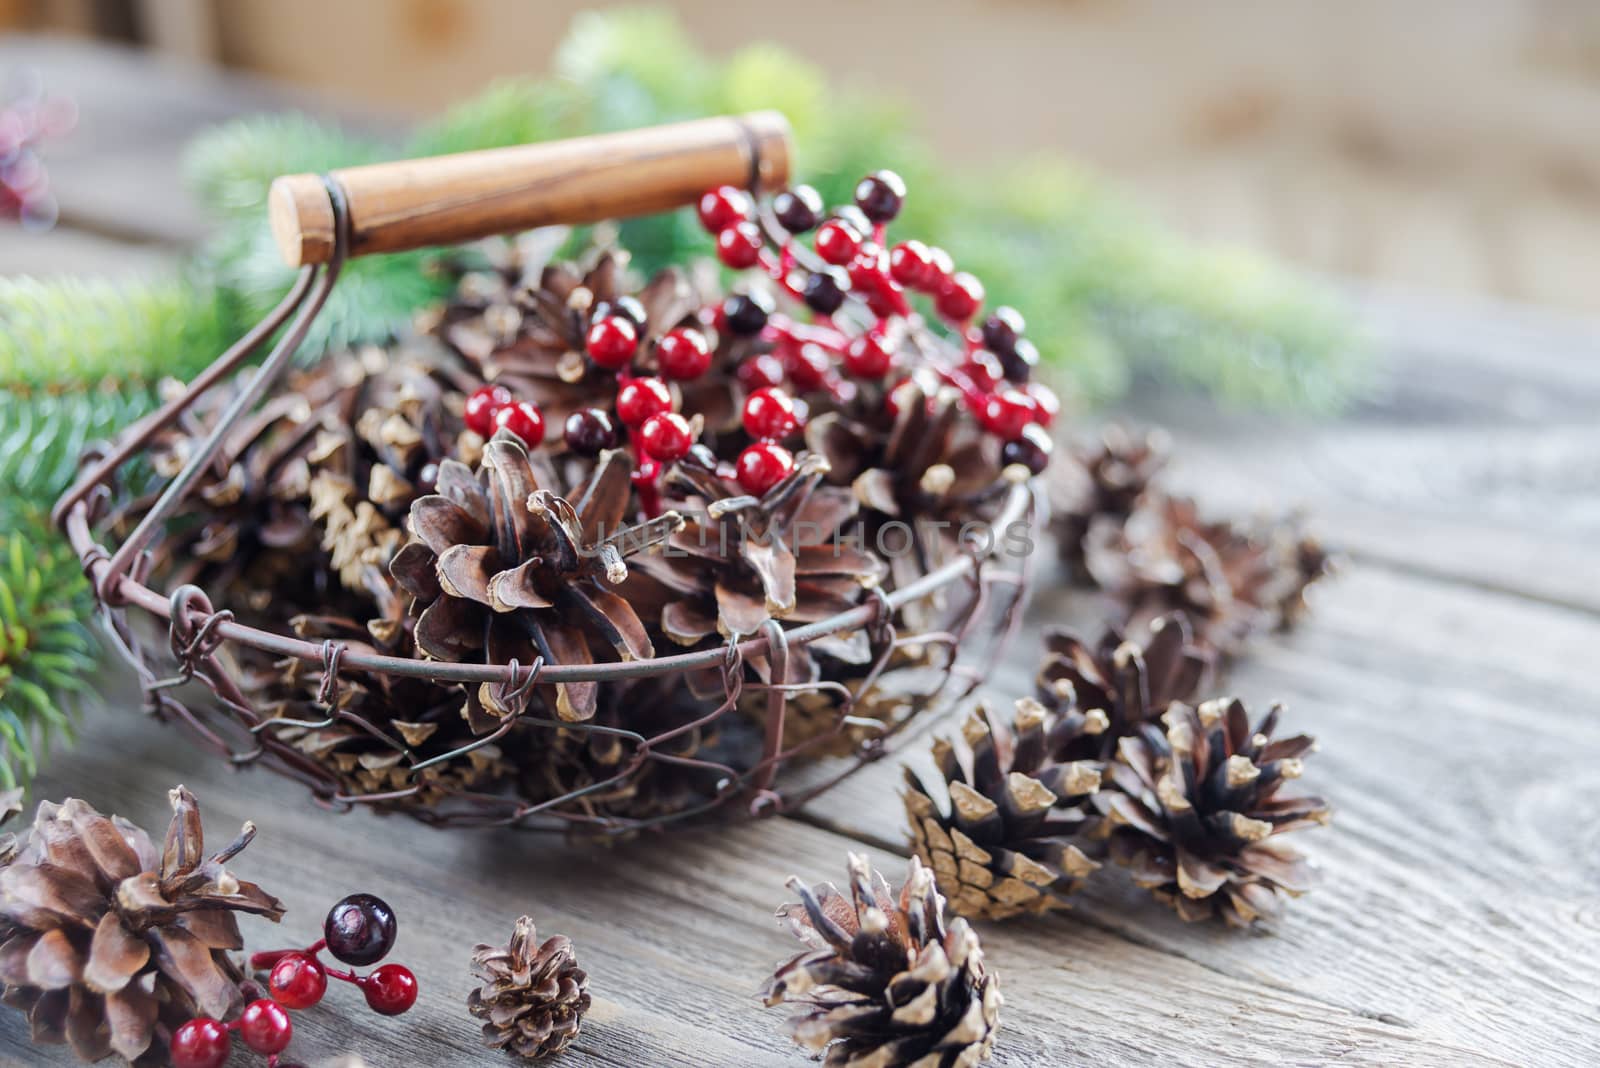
[(1449, 674)]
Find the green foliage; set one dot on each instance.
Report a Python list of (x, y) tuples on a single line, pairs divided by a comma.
[(45, 653)]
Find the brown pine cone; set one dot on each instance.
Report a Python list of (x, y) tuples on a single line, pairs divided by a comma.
[(999, 831), (885, 983), (1195, 807), (1106, 478), (533, 995), (109, 944)]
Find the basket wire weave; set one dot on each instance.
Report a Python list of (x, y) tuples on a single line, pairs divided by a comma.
[(218, 707)]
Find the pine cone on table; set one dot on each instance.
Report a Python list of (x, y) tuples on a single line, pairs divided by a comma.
[(1000, 830), (109, 944), (1106, 478), (504, 569), (1195, 807), (886, 983), (533, 994)]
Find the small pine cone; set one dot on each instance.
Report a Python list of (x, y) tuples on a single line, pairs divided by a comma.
[(1000, 841), (533, 995), (885, 984), (1194, 809), (1106, 478), (1127, 681)]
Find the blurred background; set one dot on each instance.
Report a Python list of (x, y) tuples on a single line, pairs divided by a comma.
[(1435, 145)]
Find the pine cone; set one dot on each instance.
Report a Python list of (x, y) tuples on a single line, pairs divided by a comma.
[(999, 831), (533, 995), (1119, 678), (110, 945), (1165, 558), (1107, 478), (1194, 809), (886, 983), (504, 570)]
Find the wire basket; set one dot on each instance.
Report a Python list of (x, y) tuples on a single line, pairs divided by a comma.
[(322, 221)]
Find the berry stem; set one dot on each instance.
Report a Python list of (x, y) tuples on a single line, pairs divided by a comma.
[(775, 266), (264, 961)]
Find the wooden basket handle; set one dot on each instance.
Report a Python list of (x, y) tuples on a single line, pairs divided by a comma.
[(438, 201)]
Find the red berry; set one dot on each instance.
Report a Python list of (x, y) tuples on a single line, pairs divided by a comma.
[(666, 436), (837, 242), (612, 341), (723, 207), (867, 270), (484, 402), (1046, 406), (762, 466), (943, 267), (769, 414), (265, 1026), (868, 357), (983, 369), (1032, 449), (683, 354), (640, 398), (739, 246), (200, 1043), (524, 419), (807, 365), (910, 264), (960, 296), (297, 981), (1007, 413), (762, 370), (390, 990)]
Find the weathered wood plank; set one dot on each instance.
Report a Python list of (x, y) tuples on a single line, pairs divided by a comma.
[(677, 935), (1457, 737), (67, 251)]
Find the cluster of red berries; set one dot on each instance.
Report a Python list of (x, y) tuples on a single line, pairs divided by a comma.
[(856, 261), (360, 930)]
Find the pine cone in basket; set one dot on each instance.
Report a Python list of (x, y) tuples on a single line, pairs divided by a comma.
[(1117, 681), (533, 994), (1228, 581), (504, 569), (109, 944), (885, 983), (999, 830), (1195, 807), (1108, 477)]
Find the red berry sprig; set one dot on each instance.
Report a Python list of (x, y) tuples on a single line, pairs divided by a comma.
[(491, 407), (850, 261)]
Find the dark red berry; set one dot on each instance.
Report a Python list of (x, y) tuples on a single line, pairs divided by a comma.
[(769, 414), (1002, 329), (758, 371), (627, 307), (837, 242), (524, 419), (1020, 361), (739, 246), (960, 296), (640, 398), (265, 1026), (798, 209), (1031, 450), (297, 981), (1007, 413), (746, 313), (868, 357), (806, 365), (683, 354), (910, 264), (666, 436), (482, 405), (360, 930), (390, 990), (880, 195), (428, 478), (723, 207), (589, 431), (824, 292), (700, 456), (762, 466), (200, 1043), (612, 341)]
